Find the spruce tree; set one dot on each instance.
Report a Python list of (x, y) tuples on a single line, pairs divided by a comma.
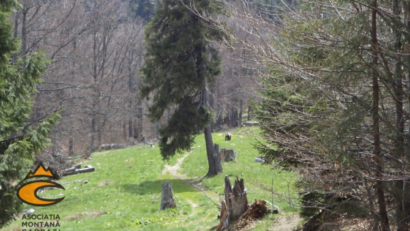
[(179, 62), (19, 139)]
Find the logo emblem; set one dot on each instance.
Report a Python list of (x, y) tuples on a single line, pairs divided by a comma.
[(28, 191)]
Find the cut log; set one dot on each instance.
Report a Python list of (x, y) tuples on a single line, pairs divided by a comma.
[(76, 170), (250, 123), (167, 199), (227, 155), (112, 146), (235, 204)]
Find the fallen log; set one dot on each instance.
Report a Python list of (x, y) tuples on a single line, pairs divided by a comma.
[(250, 123), (71, 170), (76, 170)]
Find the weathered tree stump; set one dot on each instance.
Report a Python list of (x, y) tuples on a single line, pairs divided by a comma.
[(167, 199), (235, 204), (227, 155)]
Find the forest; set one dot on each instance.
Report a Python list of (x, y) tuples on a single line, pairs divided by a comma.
[(323, 84)]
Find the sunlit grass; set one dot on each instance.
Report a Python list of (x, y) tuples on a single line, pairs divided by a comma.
[(124, 191)]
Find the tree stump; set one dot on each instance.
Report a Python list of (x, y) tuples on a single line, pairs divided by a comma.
[(234, 205), (227, 155), (167, 199)]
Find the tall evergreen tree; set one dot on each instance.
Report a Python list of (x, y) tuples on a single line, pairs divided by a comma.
[(179, 62), (19, 139)]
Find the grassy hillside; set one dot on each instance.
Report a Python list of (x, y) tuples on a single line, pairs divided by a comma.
[(124, 191)]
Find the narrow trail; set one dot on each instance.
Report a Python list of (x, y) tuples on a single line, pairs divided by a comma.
[(287, 222), (173, 170)]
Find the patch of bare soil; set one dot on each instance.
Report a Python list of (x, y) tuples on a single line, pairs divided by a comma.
[(286, 223), (78, 216), (104, 182), (173, 169)]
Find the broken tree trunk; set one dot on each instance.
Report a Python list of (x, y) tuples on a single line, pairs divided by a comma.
[(214, 160), (235, 204), (227, 155), (167, 199)]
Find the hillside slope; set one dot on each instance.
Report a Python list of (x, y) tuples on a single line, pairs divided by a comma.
[(124, 191)]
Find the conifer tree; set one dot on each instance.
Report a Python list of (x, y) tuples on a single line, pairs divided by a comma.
[(179, 62), (20, 137)]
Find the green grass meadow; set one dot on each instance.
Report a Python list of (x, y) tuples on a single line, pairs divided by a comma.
[(124, 191)]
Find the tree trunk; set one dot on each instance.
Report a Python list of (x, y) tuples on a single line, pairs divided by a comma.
[(124, 131), (70, 146), (234, 117), (212, 153), (249, 113), (407, 9), (16, 26), (227, 119), (130, 104), (99, 132), (240, 112), (157, 130), (92, 136), (214, 159), (167, 199), (24, 33), (234, 205), (139, 123), (130, 135), (135, 129), (212, 103), (402, 216), (376, 124)]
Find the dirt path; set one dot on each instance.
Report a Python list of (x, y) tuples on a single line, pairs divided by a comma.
[(286, 222), (173, 169)]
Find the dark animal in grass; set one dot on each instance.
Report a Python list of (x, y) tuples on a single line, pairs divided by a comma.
[(228, 136)]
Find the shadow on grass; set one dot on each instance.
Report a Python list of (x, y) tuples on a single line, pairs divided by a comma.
[(154, 187)]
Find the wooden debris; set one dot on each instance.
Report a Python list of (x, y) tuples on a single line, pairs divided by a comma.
[(250, 123), (256, 211), (112, 146), (77, 170), (234, 205)]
